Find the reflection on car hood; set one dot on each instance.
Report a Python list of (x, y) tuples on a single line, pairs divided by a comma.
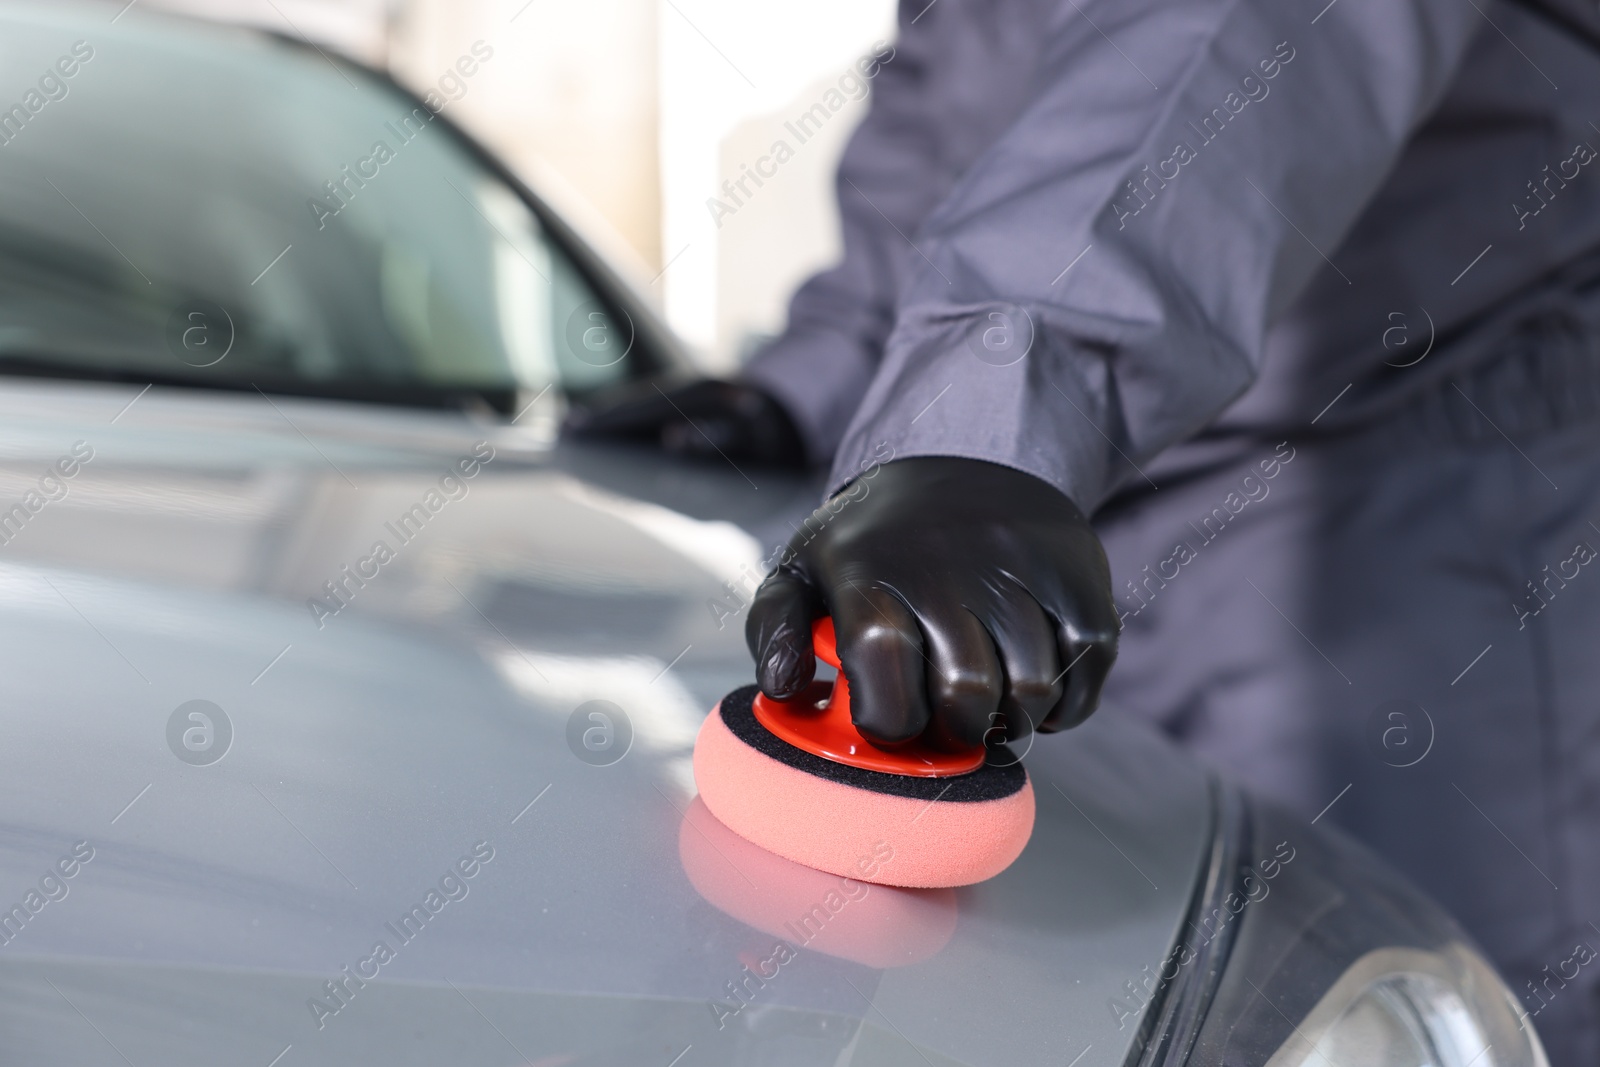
[(420, 726)]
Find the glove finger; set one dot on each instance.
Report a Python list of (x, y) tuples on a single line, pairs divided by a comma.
[(1030, 657), (881, 648), (778, 633), (1087, 653), (963, 672)]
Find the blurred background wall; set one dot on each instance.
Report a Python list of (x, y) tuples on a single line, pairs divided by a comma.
[(629, 115)]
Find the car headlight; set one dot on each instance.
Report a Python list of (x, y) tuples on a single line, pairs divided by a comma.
[(1410, 1008), (1303, 950)]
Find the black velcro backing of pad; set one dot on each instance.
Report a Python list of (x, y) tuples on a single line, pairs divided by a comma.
[(992, 781)]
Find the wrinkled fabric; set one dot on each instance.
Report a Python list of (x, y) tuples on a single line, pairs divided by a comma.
[(1162, 204), (1346, 623)]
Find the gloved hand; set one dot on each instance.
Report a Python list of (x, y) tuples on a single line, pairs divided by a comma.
[(967, 597), (705, 418)]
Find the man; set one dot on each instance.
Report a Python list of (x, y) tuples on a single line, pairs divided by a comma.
[(1301, 300)]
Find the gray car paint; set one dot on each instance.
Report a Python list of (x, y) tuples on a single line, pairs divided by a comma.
[(371, 753)]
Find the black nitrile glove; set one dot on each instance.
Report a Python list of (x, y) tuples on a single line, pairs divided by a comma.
[(966, 596), (705, 418)]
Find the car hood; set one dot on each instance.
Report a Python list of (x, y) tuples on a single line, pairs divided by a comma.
[(435, 719)]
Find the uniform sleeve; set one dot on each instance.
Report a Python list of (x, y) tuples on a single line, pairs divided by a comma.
[(892, 174), (1100, 282)]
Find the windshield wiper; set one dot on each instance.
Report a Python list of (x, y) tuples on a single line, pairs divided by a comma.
[(501, 399)]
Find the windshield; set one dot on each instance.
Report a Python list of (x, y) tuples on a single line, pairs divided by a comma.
[(191, 205)]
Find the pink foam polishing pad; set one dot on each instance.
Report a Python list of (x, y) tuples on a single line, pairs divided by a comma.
[(904, 829), (875, 925)]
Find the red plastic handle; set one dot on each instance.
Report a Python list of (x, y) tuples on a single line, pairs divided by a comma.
[(820, 724)]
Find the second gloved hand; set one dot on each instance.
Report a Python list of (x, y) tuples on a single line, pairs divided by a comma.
[(970, 600), (704, 418)]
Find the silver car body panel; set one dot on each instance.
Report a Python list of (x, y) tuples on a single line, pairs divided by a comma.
[(374, 748)]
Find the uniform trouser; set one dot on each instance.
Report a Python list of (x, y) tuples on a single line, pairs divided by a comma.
[(1361, 626)]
